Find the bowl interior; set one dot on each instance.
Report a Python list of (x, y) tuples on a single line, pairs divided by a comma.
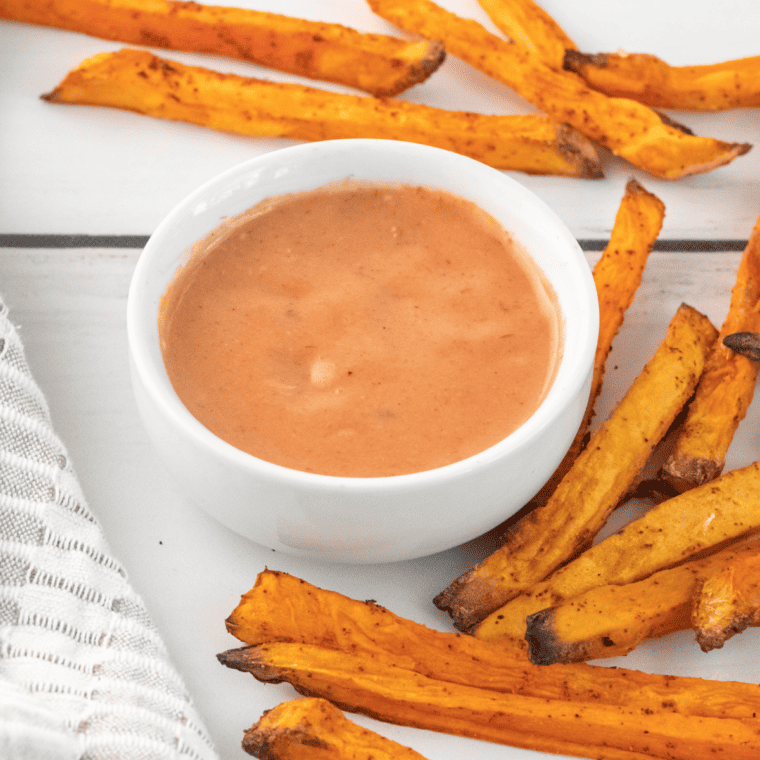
[(312, 165)]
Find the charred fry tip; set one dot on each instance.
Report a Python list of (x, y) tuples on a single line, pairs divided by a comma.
[(250, 660), (237, 659), (708, 642), (655, 490), (232, 628), (710, 638), (255, 745), (417, 73), (50, 97), (262, 738), (466, 599), (670, 122), (573, 60), (461, 617), (634, 187), (575, 147), (591, 171), (445, 599), (683, 472), (543, 646), (744, 343), (228, 658), (436, 55)]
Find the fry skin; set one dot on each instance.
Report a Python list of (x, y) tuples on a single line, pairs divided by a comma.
[(381, 65), (727, 601), (356, 683), (627, 128), (140, 81), (617, 276), (696, 523), (650, 80), (612, 620), (283, 608), (599, 478), (726, 388), (527, 24), (315, 728)]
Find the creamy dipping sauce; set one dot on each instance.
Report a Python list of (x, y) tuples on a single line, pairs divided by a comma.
[(361, 330)]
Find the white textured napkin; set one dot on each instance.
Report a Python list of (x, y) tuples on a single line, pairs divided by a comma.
[(84, 673)]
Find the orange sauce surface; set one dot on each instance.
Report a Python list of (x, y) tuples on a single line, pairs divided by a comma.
[(361, 330)]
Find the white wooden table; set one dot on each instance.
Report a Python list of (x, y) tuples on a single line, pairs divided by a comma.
[(81, 189)]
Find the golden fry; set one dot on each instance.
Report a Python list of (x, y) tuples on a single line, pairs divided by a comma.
[(629, 129), (529, 25), (727, 601), (649, 80), (603, 473), (381, 65), (725, 390), (139, 81), (315, 728), (698, 522), (356, 683), (612, 620), (283, 608), (618, 273), (617, 276)]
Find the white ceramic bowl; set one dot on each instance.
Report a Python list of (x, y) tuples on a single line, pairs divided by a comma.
[(362, 520)]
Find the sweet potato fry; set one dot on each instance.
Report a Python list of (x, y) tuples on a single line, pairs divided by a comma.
[(139, 81), (693, 524), (396, 695), (629, 129), (315, 728), (726, 388), (652, 81), (617, 276), (283, 608), (527, 24), (727, 601), (612, 620), (603, 473), (618, 273), (381, 65)]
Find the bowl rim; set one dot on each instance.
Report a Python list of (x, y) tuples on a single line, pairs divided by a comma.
[(142, 364)]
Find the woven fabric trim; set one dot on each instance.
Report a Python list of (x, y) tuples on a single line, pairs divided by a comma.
[(83, 671)]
